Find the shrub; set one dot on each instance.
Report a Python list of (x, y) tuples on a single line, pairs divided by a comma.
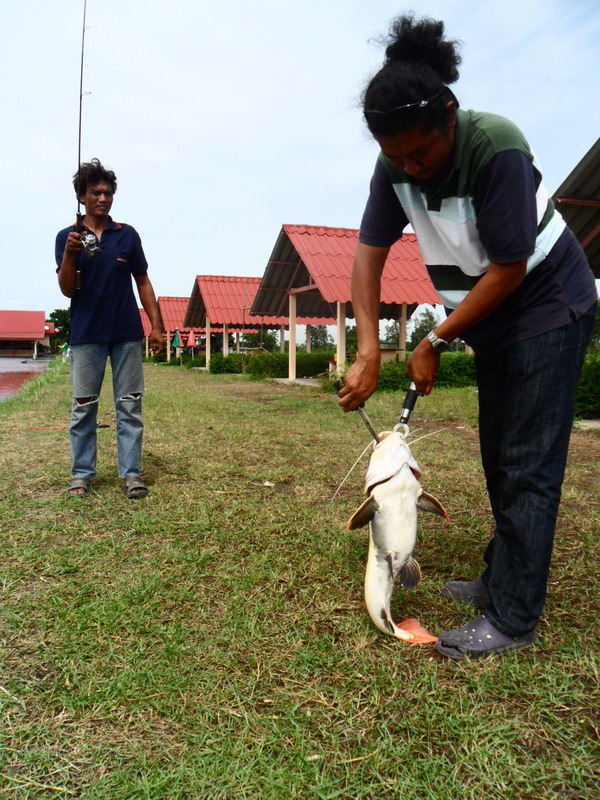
[(456, 370), (220, 364), (268, 365), (587, 402), (392, 376)]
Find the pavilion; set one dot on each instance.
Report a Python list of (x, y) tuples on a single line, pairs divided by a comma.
[(226, 301), (310, 271)]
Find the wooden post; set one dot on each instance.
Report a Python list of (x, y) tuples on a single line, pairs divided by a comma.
[(402, 332), (207, 345), (237, 342), (168, 346), (308, 328), (282, 338), (292, 353), (225, 339), (341, 338)]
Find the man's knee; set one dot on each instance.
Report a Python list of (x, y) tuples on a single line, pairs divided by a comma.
[(84, 401), (131, 396)]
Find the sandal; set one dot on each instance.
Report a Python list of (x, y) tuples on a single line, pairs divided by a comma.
[(473, 593), (478, 639), (135, 488), (79, 487)]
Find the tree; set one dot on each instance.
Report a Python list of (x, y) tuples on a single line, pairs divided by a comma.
[(265, 339), (351, 339), (425, 322), (61, 319), (391, 333), (320, 338)]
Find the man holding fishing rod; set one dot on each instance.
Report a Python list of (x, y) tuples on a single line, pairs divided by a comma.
[(517, 288), (96, 259)]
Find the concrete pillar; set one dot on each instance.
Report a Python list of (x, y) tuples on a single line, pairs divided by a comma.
[(292, 353), (341, 338)]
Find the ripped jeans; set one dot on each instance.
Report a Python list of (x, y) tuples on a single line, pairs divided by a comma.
[(88, 364)]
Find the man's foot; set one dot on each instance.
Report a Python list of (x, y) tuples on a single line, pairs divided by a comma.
[(478, 639), (473, 593), (135, 488), (79, 487)]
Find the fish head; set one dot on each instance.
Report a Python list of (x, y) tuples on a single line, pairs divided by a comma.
[(388, 456)]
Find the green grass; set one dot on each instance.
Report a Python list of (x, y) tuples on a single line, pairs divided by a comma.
[(211, 642)]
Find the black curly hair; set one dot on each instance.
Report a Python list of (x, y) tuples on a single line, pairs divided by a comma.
[(90, 173), (419, 64)]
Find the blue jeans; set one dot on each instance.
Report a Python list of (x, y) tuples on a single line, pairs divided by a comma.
[(88, 363), (526, 406)]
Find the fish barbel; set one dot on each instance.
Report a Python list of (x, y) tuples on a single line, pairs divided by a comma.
[(393, 496)]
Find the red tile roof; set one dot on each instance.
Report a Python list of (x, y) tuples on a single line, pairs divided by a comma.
[(200, 331), (145, 322), (28, 325), (227, 300), (172, 312), (322, 257)]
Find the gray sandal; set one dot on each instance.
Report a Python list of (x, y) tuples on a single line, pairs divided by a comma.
[(473, 593), (135, 488), (78, 484), (478, 639)]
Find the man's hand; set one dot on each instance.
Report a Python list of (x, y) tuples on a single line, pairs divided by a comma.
[(74, 243), (157, 342), (359, 382), (423, 365)]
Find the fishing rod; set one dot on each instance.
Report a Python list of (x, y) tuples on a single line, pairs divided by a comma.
[(79, 215), (90, 243)]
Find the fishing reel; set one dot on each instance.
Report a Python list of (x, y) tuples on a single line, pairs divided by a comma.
[(90, 244)]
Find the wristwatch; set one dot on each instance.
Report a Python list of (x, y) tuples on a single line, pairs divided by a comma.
[(439, 345)]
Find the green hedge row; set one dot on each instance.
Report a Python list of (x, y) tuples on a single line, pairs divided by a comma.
[(458, 369), (271, 365), (587, 403)]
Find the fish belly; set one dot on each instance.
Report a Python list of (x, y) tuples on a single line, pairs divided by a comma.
[(393, 533)]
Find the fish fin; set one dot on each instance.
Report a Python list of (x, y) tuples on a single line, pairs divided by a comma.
[(410, 574), (363, 514), (427, 502), (419, 634)]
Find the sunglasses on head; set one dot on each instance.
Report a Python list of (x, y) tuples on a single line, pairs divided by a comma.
[(373, 115)]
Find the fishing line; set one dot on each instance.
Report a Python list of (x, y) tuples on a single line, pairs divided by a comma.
[(349, 472), (427, 435)]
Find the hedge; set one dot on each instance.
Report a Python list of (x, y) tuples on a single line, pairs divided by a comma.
[(587, 403), (272, 365), (458, 370)]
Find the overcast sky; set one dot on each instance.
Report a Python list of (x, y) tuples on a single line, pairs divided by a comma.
[(225, 120)]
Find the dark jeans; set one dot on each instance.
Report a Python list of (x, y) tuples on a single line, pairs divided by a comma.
[(526, 404)]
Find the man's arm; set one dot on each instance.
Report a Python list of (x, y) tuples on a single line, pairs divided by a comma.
[(361, 379), (148, 301), (67, 274), (498, 283)]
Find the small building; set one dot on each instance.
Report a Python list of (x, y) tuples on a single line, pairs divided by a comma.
[(21, 333)]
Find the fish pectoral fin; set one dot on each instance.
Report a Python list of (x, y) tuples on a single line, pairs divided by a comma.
[(363, 514), (427, 502), (410, 574)]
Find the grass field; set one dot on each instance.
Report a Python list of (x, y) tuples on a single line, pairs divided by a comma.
[(210, 641)]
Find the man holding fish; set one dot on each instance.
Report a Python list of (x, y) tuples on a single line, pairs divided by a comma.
[(517, 288)]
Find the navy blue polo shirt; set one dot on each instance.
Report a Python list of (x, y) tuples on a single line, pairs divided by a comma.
[(104, 309), (491, 207)]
